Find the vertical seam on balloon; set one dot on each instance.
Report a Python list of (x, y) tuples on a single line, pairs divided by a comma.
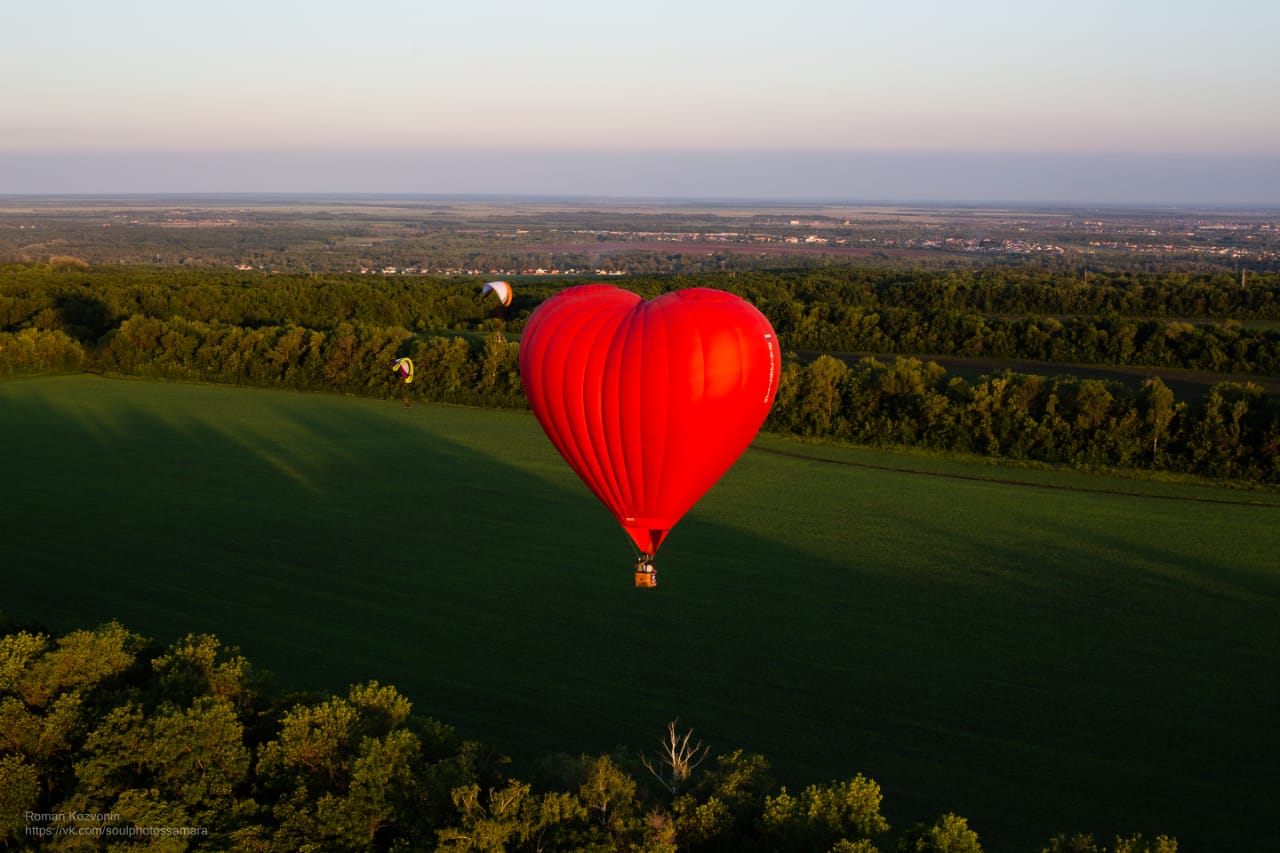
[(605, 471), (627, 483), (669, 341), (595, 324), (674, 350)]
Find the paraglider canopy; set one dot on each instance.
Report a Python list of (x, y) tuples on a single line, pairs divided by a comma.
[(500, 289), (404, 367)]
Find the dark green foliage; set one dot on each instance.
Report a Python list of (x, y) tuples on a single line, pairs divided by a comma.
[(350, 359), (1083, 843), (355, 773), (822, 816), (39, 351), (950, 834), (1234, 434), (1003, 312)]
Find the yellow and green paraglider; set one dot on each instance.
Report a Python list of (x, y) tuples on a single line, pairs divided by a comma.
[(403, 367)]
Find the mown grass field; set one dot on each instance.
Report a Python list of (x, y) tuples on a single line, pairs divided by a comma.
[(1062, 653)]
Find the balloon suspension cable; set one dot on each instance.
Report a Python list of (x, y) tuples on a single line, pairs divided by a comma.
[(642, 558)]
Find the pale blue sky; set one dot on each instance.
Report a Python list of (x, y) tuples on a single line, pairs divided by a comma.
[(1161, 102)]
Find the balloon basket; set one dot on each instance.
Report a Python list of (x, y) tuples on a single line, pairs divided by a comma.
[(646, 579)]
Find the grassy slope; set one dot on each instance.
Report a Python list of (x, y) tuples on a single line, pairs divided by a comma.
[(1036, 659)]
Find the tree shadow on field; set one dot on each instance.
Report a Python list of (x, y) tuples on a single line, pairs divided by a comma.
[(452, 553)]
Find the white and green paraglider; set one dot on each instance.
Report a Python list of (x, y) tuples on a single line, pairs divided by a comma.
[(503, 291), (500, 289)]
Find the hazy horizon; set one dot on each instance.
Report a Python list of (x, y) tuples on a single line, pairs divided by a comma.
[(850, 177), (1129, 103)]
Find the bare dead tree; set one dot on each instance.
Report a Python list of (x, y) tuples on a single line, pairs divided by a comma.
[(677, 758)]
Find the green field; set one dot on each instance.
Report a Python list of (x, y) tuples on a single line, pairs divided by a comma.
[(1063, 653)]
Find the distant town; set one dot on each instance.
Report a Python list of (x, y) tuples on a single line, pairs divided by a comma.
[(531, 237)]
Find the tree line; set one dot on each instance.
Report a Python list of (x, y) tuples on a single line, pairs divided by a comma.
[(1023, 313), (832, 309), (1027, 289), (1232, 434), (342, 336), (110, 740)]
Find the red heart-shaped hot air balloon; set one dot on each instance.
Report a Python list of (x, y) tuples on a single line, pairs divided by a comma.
[(649, 402)]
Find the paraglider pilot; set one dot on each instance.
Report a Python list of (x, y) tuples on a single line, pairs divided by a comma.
[(403, 368)]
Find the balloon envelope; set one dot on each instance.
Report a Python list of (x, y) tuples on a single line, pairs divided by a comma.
[(649, 402)]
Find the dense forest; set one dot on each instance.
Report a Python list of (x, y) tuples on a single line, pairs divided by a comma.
[(111, 741), (338, 333)]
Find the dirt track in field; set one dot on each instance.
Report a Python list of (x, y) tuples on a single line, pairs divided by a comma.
[(1187, 385), (1008, 481)]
